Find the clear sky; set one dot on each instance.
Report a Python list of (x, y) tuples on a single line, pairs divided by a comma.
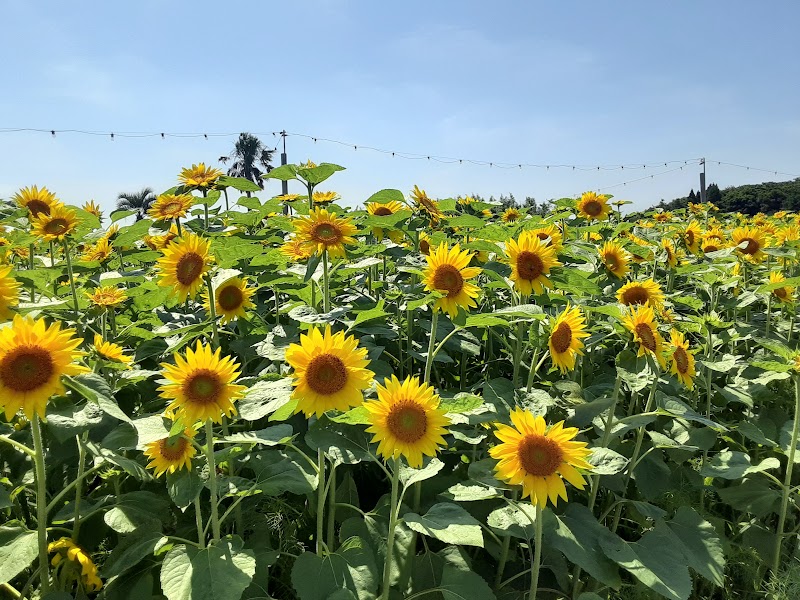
[(558, 82)]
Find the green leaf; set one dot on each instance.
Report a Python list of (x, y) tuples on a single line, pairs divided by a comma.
[(278, 472), (702, 546), (264, 398), (751, 495), (409, 476), (271, 436), (94, 388), (18, 549), (363, 316), (777, 347), (722, 364), (606, 461), (341, 442), (136, 509), (318, 174), (238, 183), (457, 584), (448, 523), (184, 486), (735, 465), (352, 567), (469, 493), (131, 551), (466, 221), (515, 520), (150, 429), (283, 173), (386, 196)]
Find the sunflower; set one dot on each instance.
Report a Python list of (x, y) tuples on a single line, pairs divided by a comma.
[(106, 296), (426, 205), (691, 237), (662, 217), (615, 258), (646, 292), (199, 176), (640, 320), (66, 548), (565, 338), (100, 252), (424, 243), (55, 225), (323, 231), (184, 264), (696, 209), (295, 250), (406, 420), (669, 247), (511, 215), (288, 197), (531, 260), (593, 207), (551, 236), (171, 206), (110, 351), (232, 299), (750, 242), (785, 293), (201, 385), (329, 372), (682, 359), (379, 209), (448, 273), (37, 201), (538, 458), (33, 357), (324, 197), (789, 233), (465, 201), (9, 293), (171, 454), (92, 209)]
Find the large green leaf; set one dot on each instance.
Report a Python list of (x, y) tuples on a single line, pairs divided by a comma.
[(702, 546), (351, 567), (131, 551), (94, 388), (279, 472), (448, 523), (264, 398), (18, 549)]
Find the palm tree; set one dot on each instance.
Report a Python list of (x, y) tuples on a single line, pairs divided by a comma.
[(137, 201), (249, 156)]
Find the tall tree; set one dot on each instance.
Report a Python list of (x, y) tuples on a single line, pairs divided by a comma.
[(137, 201), (251, 159)]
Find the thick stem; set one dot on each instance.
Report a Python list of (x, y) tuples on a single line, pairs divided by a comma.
[(31, 266), (387, 565), (787, 480), (431, 345), (504, 549), (76, 525), (212, 307), (212, 479), (198, 520), (331, 537), (326, 290), (518, 354), (71, 280), (205, 207), (41, 504), (537, 554), (320, 500)]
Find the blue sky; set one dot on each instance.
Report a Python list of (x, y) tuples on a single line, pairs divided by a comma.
[(536, 82)]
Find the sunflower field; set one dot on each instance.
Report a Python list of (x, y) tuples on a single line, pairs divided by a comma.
[(252, 397)]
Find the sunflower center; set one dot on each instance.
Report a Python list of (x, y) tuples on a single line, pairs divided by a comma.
[(327, 233), (172, 449), (26, 368), (780, 292), (561, 337), (56, 226), (540, 456), (382, 211), (635, 295), (448, 278), (202, 387), (752, 246), (230, 298), (189, 268), (710, 248), (326, 374), (543, 236), (681, 360), (407, 422), (424, 247), (37, 207), (646, 335), (172, 208), (529, 265), (593, 208), (689, 237)]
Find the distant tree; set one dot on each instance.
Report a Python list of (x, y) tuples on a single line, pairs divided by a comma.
[(251, 159), (767, 197), (508, 201), (137, 201), (713, 194), (692, 198), (535, 208)]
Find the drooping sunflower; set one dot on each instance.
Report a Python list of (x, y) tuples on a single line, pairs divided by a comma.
[(184, 264), (9, 293), (646, 292), (322, 231), (110, 351), (785, 293), (380, 209), (295, 250), (691, 237), (37, 201), (201, 386), (531, 260), (538, 458), (551, 236), (85, 569), (232, 300), (592, 206), (750, 243), (669, 248), (424, 243), (426, 205), (615, 258), (406, 420), (682, 359), (640, 321), (199, 176), (93, 209), (111, 232), (55, 225), (448, 272), (324, 197), (100, 252), (566, 334), (33, 357), (511, 215), (107, 296), (172, 453), (171, 206), (329, 372)]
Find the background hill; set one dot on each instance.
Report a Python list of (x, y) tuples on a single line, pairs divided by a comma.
[(767, 197)]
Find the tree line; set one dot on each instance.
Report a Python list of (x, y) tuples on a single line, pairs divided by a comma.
[(768, 197)]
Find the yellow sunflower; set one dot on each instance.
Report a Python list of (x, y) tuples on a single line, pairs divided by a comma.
[(531, 260), (171, 454), (406, 420), (538, 458), (106, 296), (789, 233), (37, 201), (749, 241), (424, 243), (615, 258), (691, 237), (565, 338), (184, 264), (100, 252), (110, 351), (669, 248), (511, 215), (640, 321), (592, 206), (199, 176), (86, 570), (9, 293), (33, 357), (55, 225), (201, 386), (295, 250), (92, 209), (662, 217), (682, 359), (384, 210), (551, 236), (324, 197), (712, 243), (785, 293), (171, 206), (232, 300), (696, 209), (646, 292), (448, 273), (288, 197), (322, 231), (426, 205), (329, 372)]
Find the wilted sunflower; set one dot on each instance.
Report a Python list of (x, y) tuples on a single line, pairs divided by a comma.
[(322, 231), (199, 176), (37, 201), (784, 293), (55, 225), (565, 338), (426, 205), (384, 209), (171, 454), (615, 258), (110, 351), (184, 264), (682, 359), (92, 209), (640, 321), (329, 372), (669, 248), (33, 357), (531, 260), (100, 252), (551, 236), (406, 420), (537, 457), (171, 206), (324, 197), (201, 385), (232, 300), (691, 237), (592, 206), (448, 272), (294, 249), (9, 293), (66, 548), (106, 296), (750, 242), (641, 292), (511, 215)]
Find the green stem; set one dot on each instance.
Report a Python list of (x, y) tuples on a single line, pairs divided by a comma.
[(71, 280), (787, 480), (409, 333), (212, 479), (387, 565), (68, 488), (31, 266), (501, 565), (769, 314), (709, 356), (537, 554), (332, 509), (431, 345), (198, 520), (76, 525), (41, 504), (326, 290), (178, 225), (517, 354), (205, 207), (320, 500), (212, 307), (18, 446)]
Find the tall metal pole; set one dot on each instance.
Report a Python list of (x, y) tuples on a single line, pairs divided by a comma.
[(703, 181), (284, 184)]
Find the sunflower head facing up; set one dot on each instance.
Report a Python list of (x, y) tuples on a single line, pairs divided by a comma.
[(322, 231), (93, 209), (199, 176), (171, 454), (682, 359), (329, 372), (448, 272), (531, 259), (107, 296), (56, 225), (100, 252), (511, 215), (37, 201), (184, 264), (171, 206), (295, 250), (566, 334), (787, 233), (615, 259), (750, 243), (785, 293), (539, 458), (33, 358), (385, 209), (9, 293), (406, 420), (232, 300), (646, 292), (201, 386), (324, 197), (692, 235), (641, 322), (593, 207), (110, 351)]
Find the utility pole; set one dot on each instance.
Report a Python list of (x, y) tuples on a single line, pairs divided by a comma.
[(284, 184), (703, 181)]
